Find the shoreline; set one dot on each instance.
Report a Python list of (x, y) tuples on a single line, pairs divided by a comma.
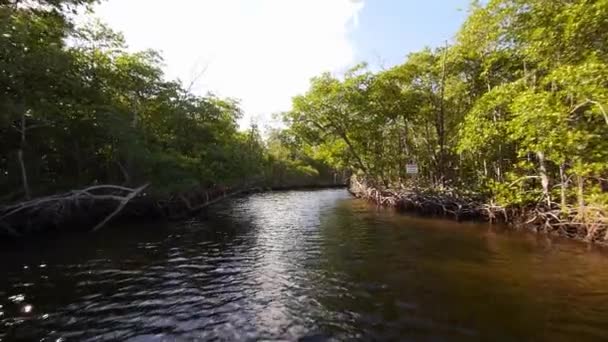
[(85, 211), (453, 206)]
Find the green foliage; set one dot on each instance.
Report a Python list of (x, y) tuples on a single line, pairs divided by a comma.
[(515, 108), (91, 111), (292, 163)]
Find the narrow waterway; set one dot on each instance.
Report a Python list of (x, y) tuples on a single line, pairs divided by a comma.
[(315, 265)]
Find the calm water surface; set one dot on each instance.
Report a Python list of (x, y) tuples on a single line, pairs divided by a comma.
[(315, 266)]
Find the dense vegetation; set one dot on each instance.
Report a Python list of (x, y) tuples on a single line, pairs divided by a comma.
[(78, 108), (515, 109)]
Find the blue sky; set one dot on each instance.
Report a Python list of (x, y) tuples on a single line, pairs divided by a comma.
[(264, 52), (388, 30)]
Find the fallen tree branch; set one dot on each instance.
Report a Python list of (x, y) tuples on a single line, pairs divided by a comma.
[(118, 209), (55, 209)]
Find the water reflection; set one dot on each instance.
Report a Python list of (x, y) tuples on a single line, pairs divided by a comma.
[(311, 265)]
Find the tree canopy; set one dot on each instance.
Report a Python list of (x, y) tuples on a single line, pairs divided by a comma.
[(516, 108), (78, 108)]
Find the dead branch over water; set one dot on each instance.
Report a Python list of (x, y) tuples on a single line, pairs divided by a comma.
[(92, 208), (21, 218)]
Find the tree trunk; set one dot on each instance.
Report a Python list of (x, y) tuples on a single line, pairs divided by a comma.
[(400, 165), (26, 186), (580, 194), (404, 149), (130, 175), (544, 178), (485, 168), (125, 173), (354, 152), (78, 161), (499, 161), (441, 120), (498, 171), (564, 187)]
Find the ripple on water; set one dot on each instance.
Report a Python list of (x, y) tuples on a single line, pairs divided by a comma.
[(314, 265)]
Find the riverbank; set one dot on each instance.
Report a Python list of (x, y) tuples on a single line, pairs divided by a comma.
[(90, 209), (332, 267), (457, 205)]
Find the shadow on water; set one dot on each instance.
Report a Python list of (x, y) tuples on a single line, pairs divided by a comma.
[(310, 265)]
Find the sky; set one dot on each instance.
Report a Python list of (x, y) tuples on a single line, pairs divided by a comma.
[(264, 52)]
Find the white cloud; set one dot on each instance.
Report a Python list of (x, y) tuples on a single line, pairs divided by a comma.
[(260, 51)]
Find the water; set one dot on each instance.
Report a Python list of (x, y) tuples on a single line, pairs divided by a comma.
[(313, 265)]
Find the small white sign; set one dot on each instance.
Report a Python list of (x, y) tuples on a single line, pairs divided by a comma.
[(411, 169)]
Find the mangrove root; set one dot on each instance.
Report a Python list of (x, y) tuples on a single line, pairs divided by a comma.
[(590, 224), (20, 218)]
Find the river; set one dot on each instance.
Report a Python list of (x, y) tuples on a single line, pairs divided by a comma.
[(309, 265)]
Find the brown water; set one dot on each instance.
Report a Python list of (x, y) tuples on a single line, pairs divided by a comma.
[(316, 265)]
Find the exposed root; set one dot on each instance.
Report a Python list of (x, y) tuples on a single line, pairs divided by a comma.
[(589, 224), (426, 202)]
